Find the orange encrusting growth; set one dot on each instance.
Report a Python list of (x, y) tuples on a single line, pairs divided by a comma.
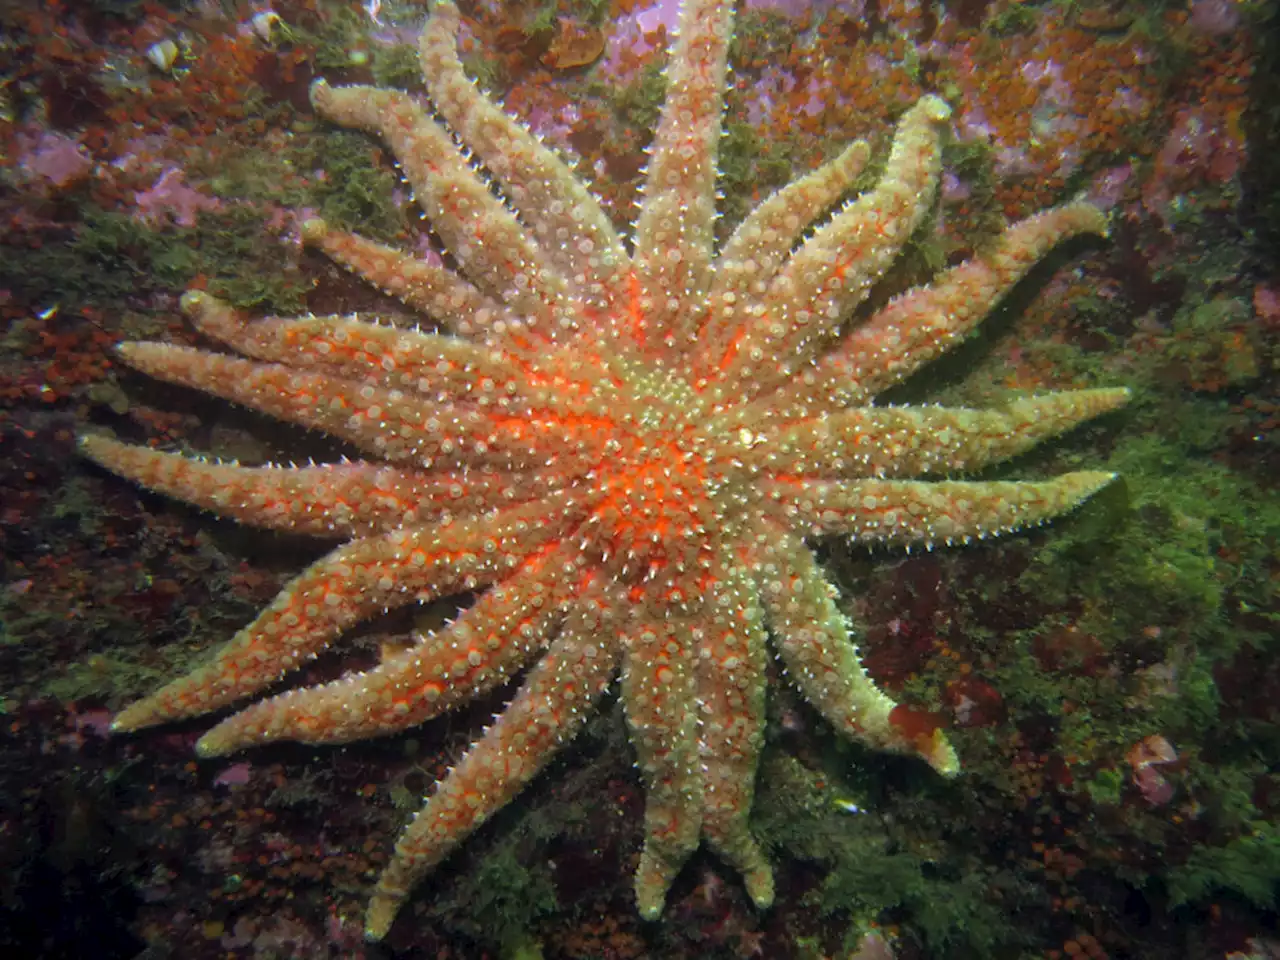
[(619, 455)]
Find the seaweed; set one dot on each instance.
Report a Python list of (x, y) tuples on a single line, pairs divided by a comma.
[(1248, 866)]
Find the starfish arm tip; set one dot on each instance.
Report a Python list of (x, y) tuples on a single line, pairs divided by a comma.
[(136, 716), (318, 92), (215, 744), (193, 301), (760, 887), (314, 230), (380, 915), (941, 755)]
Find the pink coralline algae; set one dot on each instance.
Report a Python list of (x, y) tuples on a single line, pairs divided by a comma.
[(1203, 145), (1215, 17), (1266, 304), (1145, 757), (236, 775), (55, 159), (169, 199)]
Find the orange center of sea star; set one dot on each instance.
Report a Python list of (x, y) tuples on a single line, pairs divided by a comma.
[(664, 485)]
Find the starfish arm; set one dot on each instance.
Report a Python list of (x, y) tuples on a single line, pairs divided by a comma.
[(946, 511), (729, 675), (762, 242), (914, 441), (675, 229), (441, 294), (660, 697), (334, 500), (920, 325), (385, 423), (812, 638), (443, 368), (348, 585), (480, 650), (483, 235), (361, 414), (834, 269), (550, 707), (565, 218)]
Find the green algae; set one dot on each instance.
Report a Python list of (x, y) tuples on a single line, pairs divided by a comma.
[(112, 257), (1248, 866), (542, 25), (973, 163), (357, 194), (637, 103), (760, 37), (397, 67), (500, 899), (871, 868), (750, 169), (502, 892), (1010, 19)]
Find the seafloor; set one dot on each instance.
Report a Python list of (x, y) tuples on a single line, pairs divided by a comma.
[(1111, 681)]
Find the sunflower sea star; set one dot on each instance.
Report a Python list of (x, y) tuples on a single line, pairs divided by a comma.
[(619, 451)]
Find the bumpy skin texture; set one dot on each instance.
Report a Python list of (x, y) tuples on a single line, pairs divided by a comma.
[(622, 451)]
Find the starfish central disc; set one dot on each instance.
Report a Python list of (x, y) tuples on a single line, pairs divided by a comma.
[(664, 487)]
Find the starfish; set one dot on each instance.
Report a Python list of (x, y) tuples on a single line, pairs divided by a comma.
[(617, 450)]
